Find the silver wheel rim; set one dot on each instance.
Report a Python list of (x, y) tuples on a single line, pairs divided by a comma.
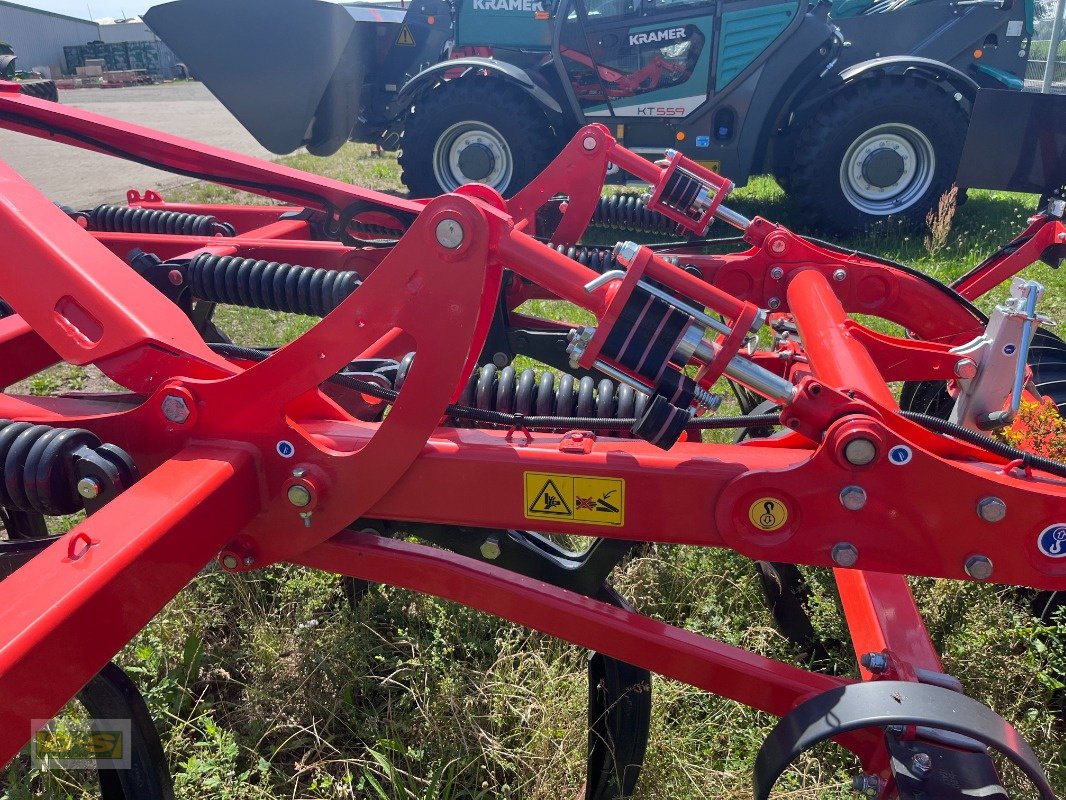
[(451, 146), (917, 167)]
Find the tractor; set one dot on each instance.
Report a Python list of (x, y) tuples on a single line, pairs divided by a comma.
[(859, 114), (31, 82)]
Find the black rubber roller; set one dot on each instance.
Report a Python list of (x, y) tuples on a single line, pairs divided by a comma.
[(662, 423)]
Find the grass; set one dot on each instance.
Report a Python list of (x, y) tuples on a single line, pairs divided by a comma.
[(271, 685)]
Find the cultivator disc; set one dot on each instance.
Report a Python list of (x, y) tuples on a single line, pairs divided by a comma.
[(367, 445)]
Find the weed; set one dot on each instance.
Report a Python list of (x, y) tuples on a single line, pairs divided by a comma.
[(939, 221)]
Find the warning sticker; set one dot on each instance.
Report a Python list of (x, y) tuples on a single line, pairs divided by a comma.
[(405, 38), (767, 514), (575, 498)]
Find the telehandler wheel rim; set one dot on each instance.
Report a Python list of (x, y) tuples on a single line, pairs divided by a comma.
[(887, 169), (470, 152)]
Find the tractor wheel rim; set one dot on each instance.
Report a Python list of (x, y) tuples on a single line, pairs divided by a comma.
[(470, 152), (887, 169)]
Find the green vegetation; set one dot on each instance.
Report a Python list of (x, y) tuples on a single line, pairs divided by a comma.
[(271, 685)]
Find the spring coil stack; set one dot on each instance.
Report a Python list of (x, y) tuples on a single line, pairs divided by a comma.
[(629, 212), (129, 219), (268, 284), (37, 462), (596, 258), (526, 392)]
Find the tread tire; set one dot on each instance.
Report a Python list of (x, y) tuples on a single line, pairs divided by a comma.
[(506, 108), (824, 142), (44, 89)]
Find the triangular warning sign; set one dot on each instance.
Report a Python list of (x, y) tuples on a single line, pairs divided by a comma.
[(405, 37), (549, 500)]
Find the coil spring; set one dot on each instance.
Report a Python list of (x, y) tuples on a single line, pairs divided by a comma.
[(631, 213), (128, 219), (526, 392), (37, 462), (383, 231), (268, 284), (596, 258)]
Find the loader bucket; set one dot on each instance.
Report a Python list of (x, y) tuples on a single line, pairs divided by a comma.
[(290, 71)]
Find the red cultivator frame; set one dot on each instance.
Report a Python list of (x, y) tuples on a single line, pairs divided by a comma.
[(310, 453)]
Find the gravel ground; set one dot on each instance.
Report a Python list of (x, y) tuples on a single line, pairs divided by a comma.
[(81, 179)]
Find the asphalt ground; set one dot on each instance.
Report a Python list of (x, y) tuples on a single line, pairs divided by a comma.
[(81, 179)]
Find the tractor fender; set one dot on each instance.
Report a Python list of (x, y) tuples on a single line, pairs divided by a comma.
[(930, 68), (805, 105), (500, 70), (5, 63)]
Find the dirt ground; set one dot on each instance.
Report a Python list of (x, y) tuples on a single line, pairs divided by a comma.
[(81, 179)]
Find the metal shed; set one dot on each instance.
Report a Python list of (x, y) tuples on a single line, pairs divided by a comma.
[(39, 36)]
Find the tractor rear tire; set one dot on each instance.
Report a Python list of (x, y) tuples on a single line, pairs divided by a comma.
[(44, 89), (474, 130), (883, 150)]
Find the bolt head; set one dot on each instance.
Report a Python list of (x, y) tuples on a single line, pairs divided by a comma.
[(229, 561), (860, 451), (589, 143), (979, 567), (626, 252), (774, 303), (175, 277), (840, 275), (966, 368), (874, 662), (844, 554), (490, 548), (299, 495), (991, 509), (777, 273), (778, 246), (449, 233), (175, 409), (853, 498), (921, 763), (89, 488), (868, 785), (249, 561)]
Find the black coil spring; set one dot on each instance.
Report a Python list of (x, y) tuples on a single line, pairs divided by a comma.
[(268, 284), (596, 258), (128, 219), (630, 212), (37, 463), (526, 392)]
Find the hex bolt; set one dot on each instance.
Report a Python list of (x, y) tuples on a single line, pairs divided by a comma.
[(979, 567), (869, 785), (860, 451), (626, 252), (229, 561), (840, 275), (853, 498), (490, 548), (299, 495), (449, 233), (589, 142), (175, 409), (89, 488), (991, 509), (966, 368), (844, 554), (777, 273), (875, 663), (774, 303), (921, 763)]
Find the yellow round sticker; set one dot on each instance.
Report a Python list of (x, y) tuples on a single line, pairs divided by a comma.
[(768, 514)]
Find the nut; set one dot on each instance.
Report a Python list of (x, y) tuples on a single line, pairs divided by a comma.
[(991, 509), (844, 554), (979, 567), (175, 409), (874, 662), (840, 275), (89, 488), (490, 548), (966, 369), (921, 763), (869, 785), (777, 273), (450, 233), (853, 498), (774, 303)]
